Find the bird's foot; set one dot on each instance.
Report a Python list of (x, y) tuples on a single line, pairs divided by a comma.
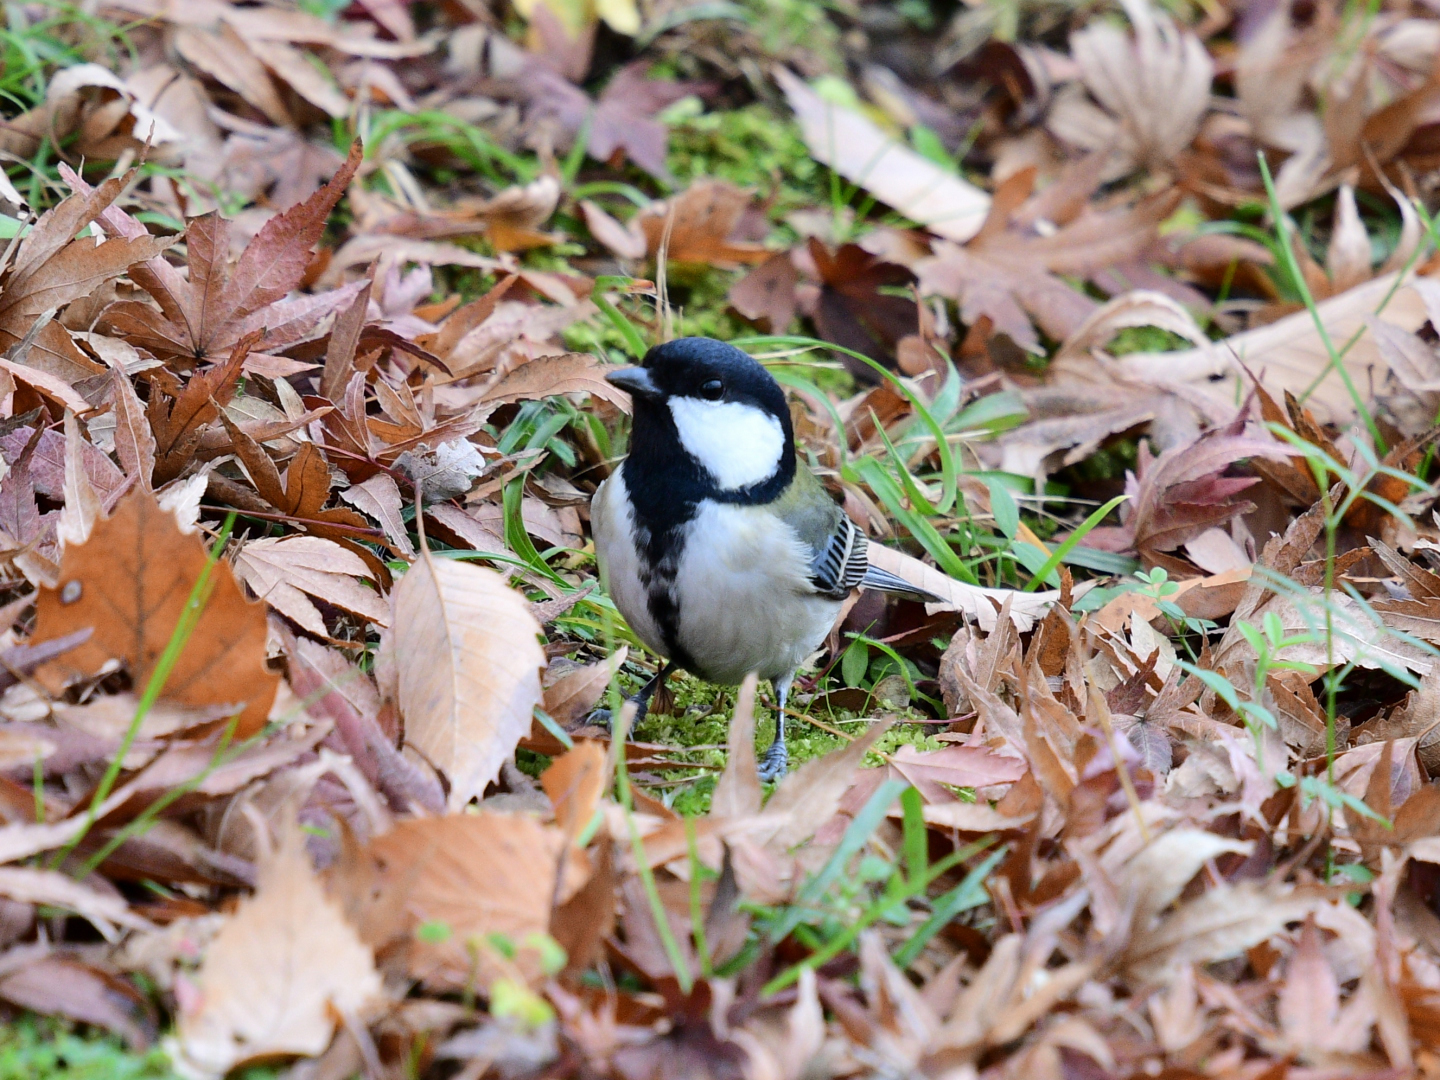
[(774, 763), (597, 718), (603, 719)]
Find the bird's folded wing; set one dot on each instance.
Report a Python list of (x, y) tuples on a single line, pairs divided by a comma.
[(841, 564)]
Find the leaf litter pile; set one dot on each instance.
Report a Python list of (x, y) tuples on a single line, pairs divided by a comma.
[(1114, 328)]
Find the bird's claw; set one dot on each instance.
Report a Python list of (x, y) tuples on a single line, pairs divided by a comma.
[(774, 763)]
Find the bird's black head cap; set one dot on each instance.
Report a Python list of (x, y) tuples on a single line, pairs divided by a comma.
[(712, 370)]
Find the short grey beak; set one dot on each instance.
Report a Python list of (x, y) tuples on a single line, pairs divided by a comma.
[(634, 381)]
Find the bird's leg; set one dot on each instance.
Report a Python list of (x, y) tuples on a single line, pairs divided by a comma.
[(776, 760), (601, 718), (642, 699)]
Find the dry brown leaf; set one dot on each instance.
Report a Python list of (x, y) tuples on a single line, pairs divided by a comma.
[(468, 669), (575, 781), (79, 991), (283, 571), (545, 376), (738, 793), (1309, 1002), (49, 270), (130, 582), (279, 974), (475, 874), (1222, 923), (106, 911)]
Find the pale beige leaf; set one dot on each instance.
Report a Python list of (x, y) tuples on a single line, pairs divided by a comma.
[(980, 604), (278, 975), (1347, 259), (1156, 874), (468, 669), (379, 498), (280, 569), (1157, 84), (1216, 926), (896, 175), (1310, 999), (82, 502), (1288, 354), (737, 792)]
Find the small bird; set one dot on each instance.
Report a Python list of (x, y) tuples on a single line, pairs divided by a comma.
[(722, 550)]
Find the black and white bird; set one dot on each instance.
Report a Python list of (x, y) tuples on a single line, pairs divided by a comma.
[(722, 550)]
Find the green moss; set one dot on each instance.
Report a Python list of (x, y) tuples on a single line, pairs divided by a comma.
[(755, 147), (47, 1049), (1134, 339)]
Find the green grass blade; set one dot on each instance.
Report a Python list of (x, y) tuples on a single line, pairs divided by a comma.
[(1058, 555)]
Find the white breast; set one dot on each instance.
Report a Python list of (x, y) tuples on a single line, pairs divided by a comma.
[(746, 602), (611, 521), (738, 444)]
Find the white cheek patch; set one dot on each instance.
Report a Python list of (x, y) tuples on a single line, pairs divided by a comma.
[(738, 444)]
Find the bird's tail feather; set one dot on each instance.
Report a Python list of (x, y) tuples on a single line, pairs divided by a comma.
[(885, 581)]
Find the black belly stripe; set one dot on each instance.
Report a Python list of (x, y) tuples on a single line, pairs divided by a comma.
[(666, 487)]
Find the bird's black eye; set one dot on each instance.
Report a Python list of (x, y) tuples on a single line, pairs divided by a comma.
[(712, 389)]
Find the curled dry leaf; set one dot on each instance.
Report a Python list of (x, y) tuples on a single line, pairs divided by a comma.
[(129, 583), (574, 693), (1289, 354), (468, 674), (982, 605), (279, 973)]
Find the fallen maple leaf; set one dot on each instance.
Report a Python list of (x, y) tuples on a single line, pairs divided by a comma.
[(467, 661), (1183, 493), (130, 582), (51, 268), (1155, 88), (279, 974), (203, 316), (1011, 275)]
